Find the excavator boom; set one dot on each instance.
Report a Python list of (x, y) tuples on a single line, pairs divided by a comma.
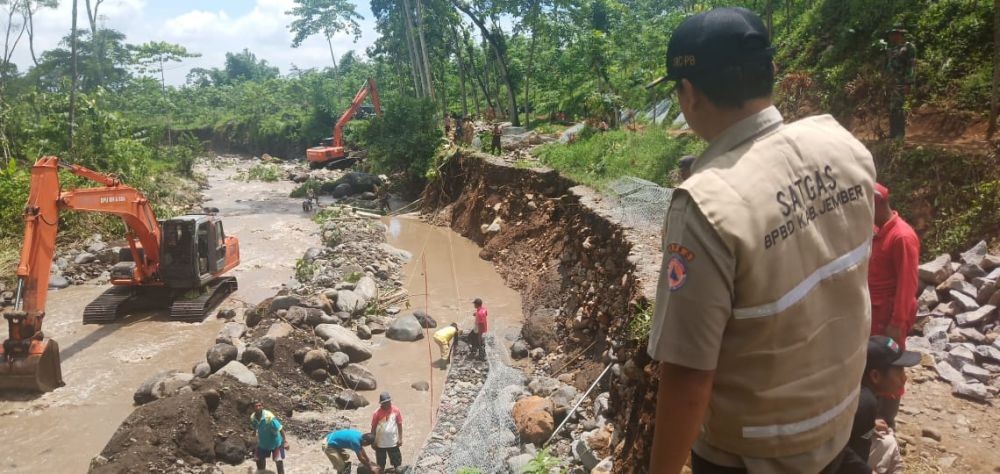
[(319, 156)]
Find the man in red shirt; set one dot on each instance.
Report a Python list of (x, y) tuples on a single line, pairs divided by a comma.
[(892, 283), (481, 327), (387, 431)]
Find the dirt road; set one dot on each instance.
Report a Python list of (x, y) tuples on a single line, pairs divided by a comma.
[(103, 365)]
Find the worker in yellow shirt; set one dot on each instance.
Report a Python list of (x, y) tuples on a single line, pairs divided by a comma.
[(445, 339)]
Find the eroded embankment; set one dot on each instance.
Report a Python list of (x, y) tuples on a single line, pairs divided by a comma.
[(582, 275)]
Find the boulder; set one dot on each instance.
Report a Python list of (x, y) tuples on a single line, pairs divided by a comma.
[(231, 450), (958, 283), (543, 386), (959, 356), (366, 288), (977, 373), (278, 330), (283, 302), (266, 345), (972, 391), (972, 335), (604, 467), (253, 317), (84, 258), (971, 271), (533, 419), (239, 372), (975, 255), (539, 330), (518, 350), (986, 291), (315, 359), (315, 317), (584, 455), (161, 385), (339, 359), (405, 328), (928, 298), (562, 400), (231, 330), (254, 355), (519, 464), (977, 316), (991, 263), (341, 190), (364, 332), (58, 282), (936, 271), (349, 400), (351, 302), (376, 327), (426, 321), (421, 386), (319, 375), (965, 302), (990, 353), (300, 354), (948, 373), (226, 314), (358, 377), (219, 355), (341, 339), (201, 370)]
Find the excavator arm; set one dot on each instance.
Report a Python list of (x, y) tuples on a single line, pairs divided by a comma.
[(28, 356), (320, 155)]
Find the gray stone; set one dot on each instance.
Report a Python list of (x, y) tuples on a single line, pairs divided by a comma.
[(973, 391), (341, 339), (405, 328), (976, 372), (220, 354), (231, 330), (226, 314), (349, 400), (364, 332), (976, 317), (991, 263), (518, 350), (359, 377), (426, 321), (266, 345), (948, 373), (972, 335), (990, 353), (316, 316), (239, 372), (604, 467), (976, 254), (961, 286), (986, 291), (919, 344), (928, 298), (601, 404), (937, 270), (144, 394), (948, 309), (563, 399), (319, 375), (350, 302), (519, 464), (537, 353), (201, 370), (278, 330), (366, 288), (341, 190), (543, 386), (583, 454), (971, 271), (283, 302), (958, 356), (231, 450), (253, 355), (938, 325), (376, 327), (84, 258), (339, 359), (315, 359), (421, 386), (965, 302), (58, 282), (253, 317), (312, 253)]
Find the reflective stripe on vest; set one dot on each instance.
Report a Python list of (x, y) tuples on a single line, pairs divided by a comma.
[(841, 264), (789, 429)]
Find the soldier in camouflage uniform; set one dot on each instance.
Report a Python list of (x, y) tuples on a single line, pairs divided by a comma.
[(902, 56)]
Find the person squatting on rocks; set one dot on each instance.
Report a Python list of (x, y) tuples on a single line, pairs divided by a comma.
[(337, 445), (901, 58), (479, 333), (271, 439), (495, 147), (759, 368), (893, 284), (387, 429), (873, 443), (446, 340)]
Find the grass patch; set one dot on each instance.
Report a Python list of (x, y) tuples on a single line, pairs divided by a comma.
[(304, 270), (544, 463), (304, 189), (10, 253), (548, 127), (353, 277), (641, 323), (596, 159), (261, 172)]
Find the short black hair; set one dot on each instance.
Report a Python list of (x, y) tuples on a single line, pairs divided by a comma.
[(367, 439), (734, 85)]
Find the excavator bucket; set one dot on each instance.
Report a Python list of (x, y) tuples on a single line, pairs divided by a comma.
[(38, 371)]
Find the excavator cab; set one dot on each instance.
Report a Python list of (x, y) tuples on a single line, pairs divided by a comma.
[(194, 251)]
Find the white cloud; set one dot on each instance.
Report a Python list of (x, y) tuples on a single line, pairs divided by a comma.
[(263, 30)]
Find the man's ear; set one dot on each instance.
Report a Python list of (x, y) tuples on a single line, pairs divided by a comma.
[(875, 376)]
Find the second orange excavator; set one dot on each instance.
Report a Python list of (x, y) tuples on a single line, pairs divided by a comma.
[(331, 152), (175, 263)]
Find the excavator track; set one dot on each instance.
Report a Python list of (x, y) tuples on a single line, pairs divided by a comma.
[(105, 309), (195, 310)]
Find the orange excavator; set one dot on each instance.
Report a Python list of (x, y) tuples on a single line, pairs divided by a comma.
[(330, 153), (176, 263)]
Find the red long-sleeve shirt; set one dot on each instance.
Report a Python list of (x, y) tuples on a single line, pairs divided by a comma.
[(892, 277)]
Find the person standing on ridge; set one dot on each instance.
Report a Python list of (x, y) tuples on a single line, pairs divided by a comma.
[(762, 313), (893, 283), (387, 429), (495, 147), (901, 59), (271, 439)]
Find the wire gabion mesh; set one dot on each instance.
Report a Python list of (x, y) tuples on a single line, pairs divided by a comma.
[(642, 204)]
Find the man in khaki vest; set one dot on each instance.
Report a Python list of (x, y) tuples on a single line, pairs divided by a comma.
[(762, 311)]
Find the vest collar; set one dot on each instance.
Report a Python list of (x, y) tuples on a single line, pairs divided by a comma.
[(766, 120)]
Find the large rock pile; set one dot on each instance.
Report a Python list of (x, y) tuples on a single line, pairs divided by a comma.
[(957, 321), (78, 263)]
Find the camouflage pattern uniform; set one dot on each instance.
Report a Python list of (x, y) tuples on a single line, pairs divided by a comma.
[(901, 59)]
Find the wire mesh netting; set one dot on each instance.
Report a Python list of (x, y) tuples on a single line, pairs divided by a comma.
[(642, 204), (488, 436)]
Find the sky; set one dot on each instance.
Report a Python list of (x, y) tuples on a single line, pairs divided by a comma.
[(209, 27)]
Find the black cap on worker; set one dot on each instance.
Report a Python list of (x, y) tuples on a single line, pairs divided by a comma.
[(477, 302), (709, 42), (384, 398), (883, 352)]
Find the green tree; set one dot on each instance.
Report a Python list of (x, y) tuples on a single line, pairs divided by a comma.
[(149, 57), (325, 17)]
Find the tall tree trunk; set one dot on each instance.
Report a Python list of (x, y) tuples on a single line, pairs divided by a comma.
[(495, 40), (531, 65), (423, 49), (72, 87), (461, 69), (411, 43), (92, 17), (995, 95), (31, 33), (477, 74), (333, 56)]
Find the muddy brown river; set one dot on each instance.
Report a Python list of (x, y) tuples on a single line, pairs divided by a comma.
[(63, 430)]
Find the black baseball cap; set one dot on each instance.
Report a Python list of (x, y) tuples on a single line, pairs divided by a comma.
[(883, 352), (384, 398), (708, 42)]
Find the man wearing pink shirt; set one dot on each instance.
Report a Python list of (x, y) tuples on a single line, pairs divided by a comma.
[(481, 327)]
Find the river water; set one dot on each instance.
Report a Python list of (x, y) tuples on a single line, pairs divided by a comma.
[(63, 430)]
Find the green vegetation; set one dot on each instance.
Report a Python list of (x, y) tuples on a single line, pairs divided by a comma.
[(304, 270), (304, 189), (641, 323), (544, 463), (596, 158), (404, 138), (267, 172)]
